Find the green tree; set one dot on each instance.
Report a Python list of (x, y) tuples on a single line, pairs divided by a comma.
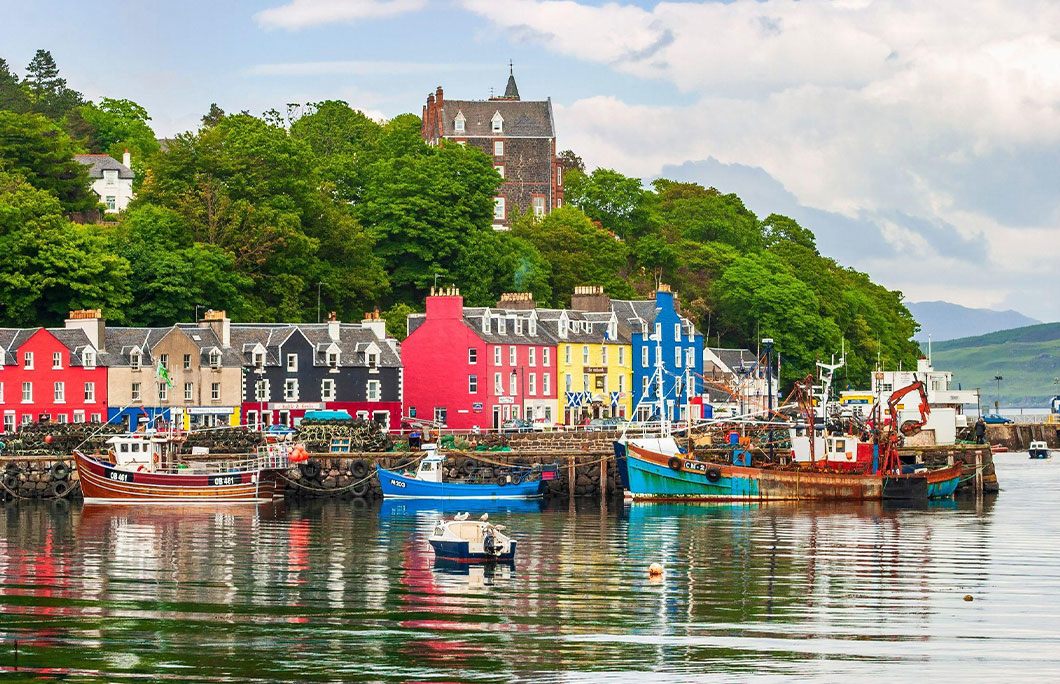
[(13, 97), (51, 266), (43, 154), (213, 116), (778, 229), (48, 92), (118, 125), (619, 203), (425, 208), (706, 215), (499, 261), (578, 252), (396, 318), (343, 142), (170, 273)]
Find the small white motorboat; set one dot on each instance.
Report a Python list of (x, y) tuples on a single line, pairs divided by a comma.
[(471, 541), (1039, 450)]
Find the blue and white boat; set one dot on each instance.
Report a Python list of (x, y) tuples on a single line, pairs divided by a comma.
[(471, 541), (429, 482)]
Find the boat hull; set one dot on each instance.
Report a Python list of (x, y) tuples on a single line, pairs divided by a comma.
[(398, 486), (460, 552), (105, 484), (659, 477)]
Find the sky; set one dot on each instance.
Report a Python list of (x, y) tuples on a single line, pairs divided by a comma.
[(919, 140)]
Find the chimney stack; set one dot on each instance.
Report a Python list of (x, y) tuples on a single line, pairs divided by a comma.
[(590, 298), (126, 159), (374, 322), (520, 301), (219, 322), (91, 322), (334, 331)]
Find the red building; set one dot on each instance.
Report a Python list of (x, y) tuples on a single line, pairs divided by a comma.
[(50, 375), (478, 367)]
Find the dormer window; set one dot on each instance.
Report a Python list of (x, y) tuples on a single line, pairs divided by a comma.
[(501, 325), (372, 358), (486, 324), (518, 326), (458, 122), (333, 359), (88, 359), (215, 358), (533, 327), (259, 359), (136, 360), (497, 123)]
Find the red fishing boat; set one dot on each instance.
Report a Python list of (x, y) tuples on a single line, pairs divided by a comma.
[(143, 467)]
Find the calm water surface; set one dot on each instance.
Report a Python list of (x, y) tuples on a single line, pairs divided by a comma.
[(337, 591)]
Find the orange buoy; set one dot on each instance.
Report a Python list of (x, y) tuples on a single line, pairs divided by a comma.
[(655, 570)]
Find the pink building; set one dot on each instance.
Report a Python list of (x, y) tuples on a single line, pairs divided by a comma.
[(479, 367)]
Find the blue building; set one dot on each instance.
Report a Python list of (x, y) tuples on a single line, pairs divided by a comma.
[(659, 328)]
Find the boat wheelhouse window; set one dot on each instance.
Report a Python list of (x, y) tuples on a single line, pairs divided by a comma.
[(840, 445), (123, 448)]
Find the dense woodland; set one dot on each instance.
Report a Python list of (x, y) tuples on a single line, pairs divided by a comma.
[(249, 215)]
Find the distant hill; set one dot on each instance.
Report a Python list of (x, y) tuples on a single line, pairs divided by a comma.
[(946, 321), (1027, 358)]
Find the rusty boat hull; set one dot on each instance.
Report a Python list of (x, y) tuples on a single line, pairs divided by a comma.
[(103, 483), (665, 477)]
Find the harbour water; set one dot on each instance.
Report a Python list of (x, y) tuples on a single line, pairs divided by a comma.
[(340, 590)]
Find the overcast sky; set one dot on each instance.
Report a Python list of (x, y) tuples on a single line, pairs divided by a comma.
[(919, 140)]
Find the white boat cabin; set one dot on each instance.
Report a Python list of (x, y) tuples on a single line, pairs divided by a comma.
[(831, 449), (137, 451), (432, 465)]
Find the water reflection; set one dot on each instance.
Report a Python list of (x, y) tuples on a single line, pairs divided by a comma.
[(337, 590)]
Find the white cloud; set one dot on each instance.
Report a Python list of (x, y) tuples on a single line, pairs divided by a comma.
[(298, 14)]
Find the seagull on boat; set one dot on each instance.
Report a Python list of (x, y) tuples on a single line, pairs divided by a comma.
[(485, 517), (461, 516)]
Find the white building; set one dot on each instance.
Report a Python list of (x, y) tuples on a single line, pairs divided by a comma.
[(111, 180), (741, 373), (947, 405)]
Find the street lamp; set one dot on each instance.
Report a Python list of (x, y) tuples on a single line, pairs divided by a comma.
[(318, 301), (197, 307), (997, 397)]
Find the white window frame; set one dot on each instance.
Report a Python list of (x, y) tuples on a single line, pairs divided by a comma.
[(566, 353), (261, 389), (513, 387), (644, 356), (79, 416), (59, 392), (215, 359), (546, 384), (538, 204), (546, 357), (290, 389), (497, 123), (512, 355), (679, 356), (215, 391), (163, 391), (585, 354), (27, 360), (135, 392), (498, 385), (373, 391), (472, 384), (57, 360), (292, 363), (568, 382), (90, 392), (189, 391), (677, 332), (531, 387), (498, 148), (187, 362), (499, 209), (499, 168), (458, 123), (531, 356), (603, 354), (497, 356), (327, 389), (164, 360), (472, 356), (621, 356)]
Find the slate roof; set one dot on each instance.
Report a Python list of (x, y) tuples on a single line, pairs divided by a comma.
[(473, 319), (527, 119), (76, 341), (354, 340), (10, 340), (97, 163), (630, 310), (734, 358)]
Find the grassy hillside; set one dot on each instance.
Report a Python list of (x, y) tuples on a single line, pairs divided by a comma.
[(1027, 358)]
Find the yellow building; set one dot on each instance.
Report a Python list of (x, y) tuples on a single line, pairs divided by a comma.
[(594, 364)]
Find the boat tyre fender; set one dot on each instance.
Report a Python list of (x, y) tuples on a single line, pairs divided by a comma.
[(12, 467), (359, 469), (11, 480), (360, 489), (517, 478), (59, 489), (60, 471), (467, 466), (310, 469), (502, 480), (713, 474), (674, 463)]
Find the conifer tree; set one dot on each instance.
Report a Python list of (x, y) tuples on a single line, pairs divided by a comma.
[(12, 97), (47, 91)]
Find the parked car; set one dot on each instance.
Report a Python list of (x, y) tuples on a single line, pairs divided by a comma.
[(517, 425), (602, 424), (996, 419)]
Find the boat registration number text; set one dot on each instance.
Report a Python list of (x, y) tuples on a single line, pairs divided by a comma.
[(224, 480), (120, 477), (694, 466), (397, 483)]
